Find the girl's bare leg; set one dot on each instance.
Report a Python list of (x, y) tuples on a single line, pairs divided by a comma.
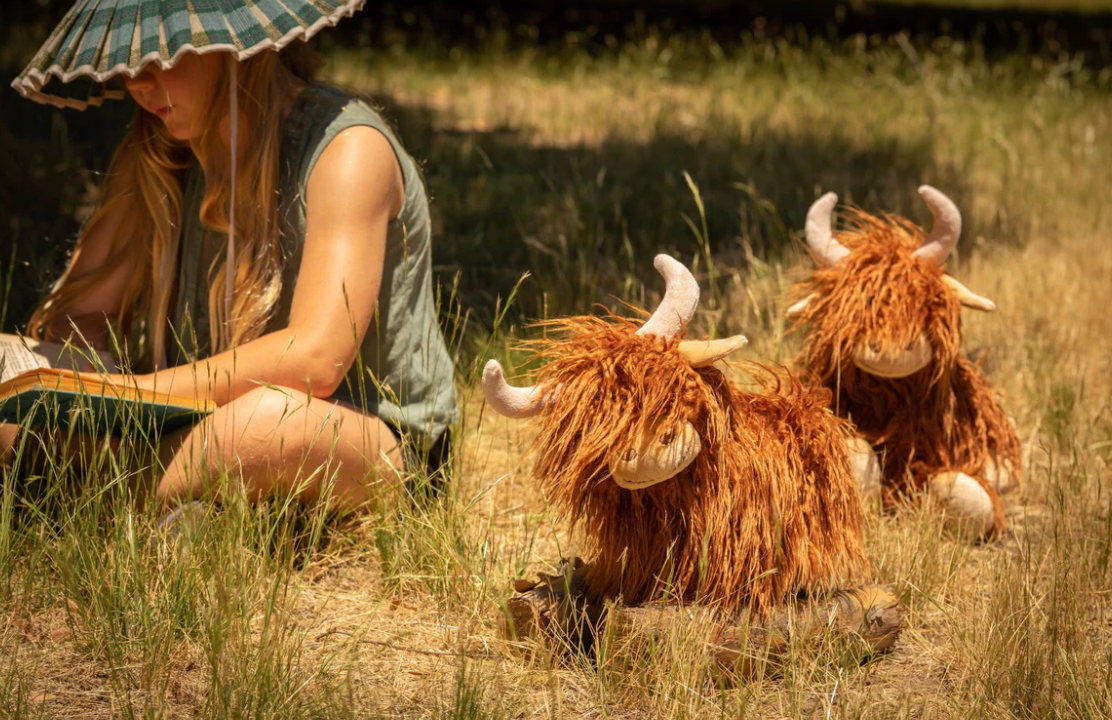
[(9, 436), (59, 448), (283, 441)]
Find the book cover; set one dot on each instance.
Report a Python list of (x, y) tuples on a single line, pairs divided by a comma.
[(37, 395), (64, 399)]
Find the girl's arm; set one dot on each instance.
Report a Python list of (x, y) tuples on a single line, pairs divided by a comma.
[(355, 189)]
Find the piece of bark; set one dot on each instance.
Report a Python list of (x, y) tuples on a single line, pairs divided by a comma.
[(867, 621), (868, 618), (60, 635), (553, 606)]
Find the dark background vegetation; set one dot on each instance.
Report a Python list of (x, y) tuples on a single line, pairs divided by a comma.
[(49, 158)]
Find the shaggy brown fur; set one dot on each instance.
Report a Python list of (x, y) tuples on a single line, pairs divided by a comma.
[(944, 417), (767, 509)]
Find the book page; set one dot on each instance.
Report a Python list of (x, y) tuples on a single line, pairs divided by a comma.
[(17, 358), (19, 355)]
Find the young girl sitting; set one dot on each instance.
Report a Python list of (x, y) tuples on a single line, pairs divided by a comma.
[(319, 343)]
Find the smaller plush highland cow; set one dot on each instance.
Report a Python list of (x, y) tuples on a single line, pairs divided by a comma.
[(683, 483), (883, 332)]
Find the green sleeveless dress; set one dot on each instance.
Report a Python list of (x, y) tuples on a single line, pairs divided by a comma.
[(404, 374)]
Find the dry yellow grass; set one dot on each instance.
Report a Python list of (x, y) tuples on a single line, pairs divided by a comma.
[(394, 615)]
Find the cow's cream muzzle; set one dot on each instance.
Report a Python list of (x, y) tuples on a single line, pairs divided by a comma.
[(660, 453), (893, 363)]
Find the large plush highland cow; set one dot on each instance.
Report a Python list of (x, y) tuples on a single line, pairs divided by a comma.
[(883, 334), (684, 484)]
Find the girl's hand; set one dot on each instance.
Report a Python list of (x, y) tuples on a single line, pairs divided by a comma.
[(143, 382)]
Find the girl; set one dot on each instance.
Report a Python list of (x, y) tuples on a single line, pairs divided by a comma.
[(289, 282)]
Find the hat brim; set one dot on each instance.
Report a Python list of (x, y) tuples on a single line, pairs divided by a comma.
[(66, 75)]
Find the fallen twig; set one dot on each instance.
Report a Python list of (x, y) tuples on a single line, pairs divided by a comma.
[(403, 648)]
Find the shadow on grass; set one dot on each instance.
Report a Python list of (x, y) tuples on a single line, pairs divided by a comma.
[(48, 164), (584, 220)]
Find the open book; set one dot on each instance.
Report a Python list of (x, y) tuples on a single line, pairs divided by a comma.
[(48, 384)]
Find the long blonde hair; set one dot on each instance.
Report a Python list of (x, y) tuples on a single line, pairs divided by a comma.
[(146, 176)]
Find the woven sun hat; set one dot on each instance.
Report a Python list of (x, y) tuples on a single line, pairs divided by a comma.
[(99, 42)]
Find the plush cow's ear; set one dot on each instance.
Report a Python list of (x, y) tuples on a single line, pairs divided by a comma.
[(797, 309), (699, 353), (967, 297)]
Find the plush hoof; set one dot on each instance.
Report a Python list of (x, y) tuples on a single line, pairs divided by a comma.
[(866, 468), (1001, 476), (967, 506)]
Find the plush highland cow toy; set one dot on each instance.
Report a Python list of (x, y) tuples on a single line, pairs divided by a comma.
[(882, 334), (684, 484)]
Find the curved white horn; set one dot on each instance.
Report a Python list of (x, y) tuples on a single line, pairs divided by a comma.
[(820, 239), (947, 226), (681, 298), (967, 297), (505, 399)]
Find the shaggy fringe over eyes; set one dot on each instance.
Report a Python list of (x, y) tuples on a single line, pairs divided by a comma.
[(880, 294), (767, 509), (944, 417)]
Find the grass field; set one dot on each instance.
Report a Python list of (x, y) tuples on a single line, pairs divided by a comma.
[(572, 166)]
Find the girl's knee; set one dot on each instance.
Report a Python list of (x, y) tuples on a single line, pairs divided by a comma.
[(273, 421), (172, 491), (267, 408), (260, 437)]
